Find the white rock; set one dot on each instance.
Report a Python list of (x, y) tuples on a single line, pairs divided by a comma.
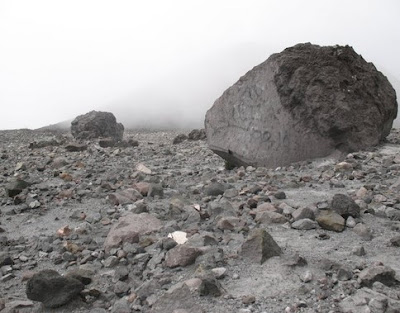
[(142, 168), (180, 237)]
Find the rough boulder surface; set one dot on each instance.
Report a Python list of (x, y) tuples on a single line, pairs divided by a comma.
[(305, 102), (96, 124)]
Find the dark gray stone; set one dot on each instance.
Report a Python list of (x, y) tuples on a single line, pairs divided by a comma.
[(179, 139), (16, 186), (52, 289), (210, 286), (197, 134), (345, 206), (305, 102), (96, 124), (380, 273)]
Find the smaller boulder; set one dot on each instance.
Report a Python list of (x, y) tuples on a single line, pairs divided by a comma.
[(96, 124)]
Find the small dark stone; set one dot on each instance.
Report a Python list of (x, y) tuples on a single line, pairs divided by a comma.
[(179, 139), (16, 186), (75, 147), (210, 287), (395, 241), (280, 195)]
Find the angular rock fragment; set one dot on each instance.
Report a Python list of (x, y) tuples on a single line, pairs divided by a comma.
[(126, 196), (210, 286), (129, 228), (330, 220), (16, 186), (259, 247), (305, 102), (181, 255), (177, 299), (380, 273), (52, 289)]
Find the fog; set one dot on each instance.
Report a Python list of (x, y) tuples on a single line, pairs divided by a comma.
[(164, 63)]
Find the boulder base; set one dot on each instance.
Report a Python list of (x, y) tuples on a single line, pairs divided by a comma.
[(305, 102)]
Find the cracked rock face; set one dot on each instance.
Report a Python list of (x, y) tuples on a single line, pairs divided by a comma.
[(305, 102)]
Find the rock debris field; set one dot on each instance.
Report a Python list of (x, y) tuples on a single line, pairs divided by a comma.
[(161, 224)]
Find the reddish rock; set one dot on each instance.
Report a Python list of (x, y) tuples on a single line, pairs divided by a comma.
[(181, 255), (129, 228)]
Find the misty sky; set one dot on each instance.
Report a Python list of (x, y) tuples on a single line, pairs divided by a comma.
[(155, 60)]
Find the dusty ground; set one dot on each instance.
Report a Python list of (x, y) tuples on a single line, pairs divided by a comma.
[(185, 171)]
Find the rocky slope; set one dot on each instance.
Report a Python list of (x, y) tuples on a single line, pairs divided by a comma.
[(258, 240)]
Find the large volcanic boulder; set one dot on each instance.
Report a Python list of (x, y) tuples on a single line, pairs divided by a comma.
[(96, 124), (305, 102)]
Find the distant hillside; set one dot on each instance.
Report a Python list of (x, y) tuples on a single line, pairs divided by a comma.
[(61, 126)]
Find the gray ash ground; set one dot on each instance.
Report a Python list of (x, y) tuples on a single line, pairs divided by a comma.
[(190, 190)]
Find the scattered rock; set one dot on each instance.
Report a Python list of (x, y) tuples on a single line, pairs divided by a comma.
[(179, 139), (16, 186), (75, 147), (330, 220), (380, 273), (181, 255), (345, 206), (259, 247), (210, 287), (304, 224), (363, 231), (52, 289), (177, 298), (129, 228)]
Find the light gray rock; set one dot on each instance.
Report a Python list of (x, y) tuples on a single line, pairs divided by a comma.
[(304, 224), (305, 102), (330, 220)]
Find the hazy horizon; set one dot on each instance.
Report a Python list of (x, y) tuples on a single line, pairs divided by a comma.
[(165, 62)]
